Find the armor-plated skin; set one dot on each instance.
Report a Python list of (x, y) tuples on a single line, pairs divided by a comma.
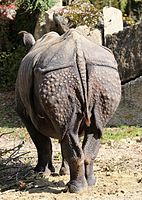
[(67, 86)]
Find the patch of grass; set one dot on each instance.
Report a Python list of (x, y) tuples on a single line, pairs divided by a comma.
[(122, 132)]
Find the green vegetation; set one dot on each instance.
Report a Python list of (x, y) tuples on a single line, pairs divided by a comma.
[(122, 132), (33, 5), (11, 48), (81, 12), (131, 8), (9, 64)]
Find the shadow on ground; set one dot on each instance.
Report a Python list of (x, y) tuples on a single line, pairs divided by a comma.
[(21, 177)]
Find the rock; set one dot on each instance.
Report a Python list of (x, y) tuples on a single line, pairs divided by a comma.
[(113, 22), (61, 23), (127, 48), (57, 3), (48, 23), (40, 29), (129, 111), (139, 140), (108, 173), (94, 35), (139, 180)]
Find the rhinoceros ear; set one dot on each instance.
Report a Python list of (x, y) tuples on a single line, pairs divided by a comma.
[(28, 39)]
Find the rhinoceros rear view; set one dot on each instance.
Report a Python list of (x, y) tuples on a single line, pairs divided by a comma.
[(67, 86)]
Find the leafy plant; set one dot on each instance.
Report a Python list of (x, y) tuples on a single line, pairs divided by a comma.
[(33, 5), (11, 49), (7, 10), (82, 13), (128, 21), (133, 8), (9, 63)]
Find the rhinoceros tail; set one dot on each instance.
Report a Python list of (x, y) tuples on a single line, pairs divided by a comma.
[(87, 120), (81, 65)]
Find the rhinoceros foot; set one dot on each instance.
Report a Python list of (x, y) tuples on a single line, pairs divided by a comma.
[(63, 171), (77, 186), (91, 181), (48, 170)]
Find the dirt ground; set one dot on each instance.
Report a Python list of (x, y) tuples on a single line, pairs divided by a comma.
[(118, 170)]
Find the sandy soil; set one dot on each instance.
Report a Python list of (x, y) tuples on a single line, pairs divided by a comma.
[(118, 169)]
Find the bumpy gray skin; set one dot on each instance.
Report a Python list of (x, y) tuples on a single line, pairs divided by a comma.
[(67, 86)]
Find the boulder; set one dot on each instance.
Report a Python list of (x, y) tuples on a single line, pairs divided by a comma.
[(113, 22), (129, 111), (127, 48), (94, 35), (48, 23)]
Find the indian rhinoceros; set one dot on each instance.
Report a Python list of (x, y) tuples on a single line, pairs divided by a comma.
[(67, 86)]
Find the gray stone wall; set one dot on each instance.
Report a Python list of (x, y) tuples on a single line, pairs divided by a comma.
[(127, 48), (129, 111), (113, 22)]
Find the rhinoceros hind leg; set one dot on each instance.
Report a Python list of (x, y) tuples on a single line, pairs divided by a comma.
[(91, 146), (73, 154)]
